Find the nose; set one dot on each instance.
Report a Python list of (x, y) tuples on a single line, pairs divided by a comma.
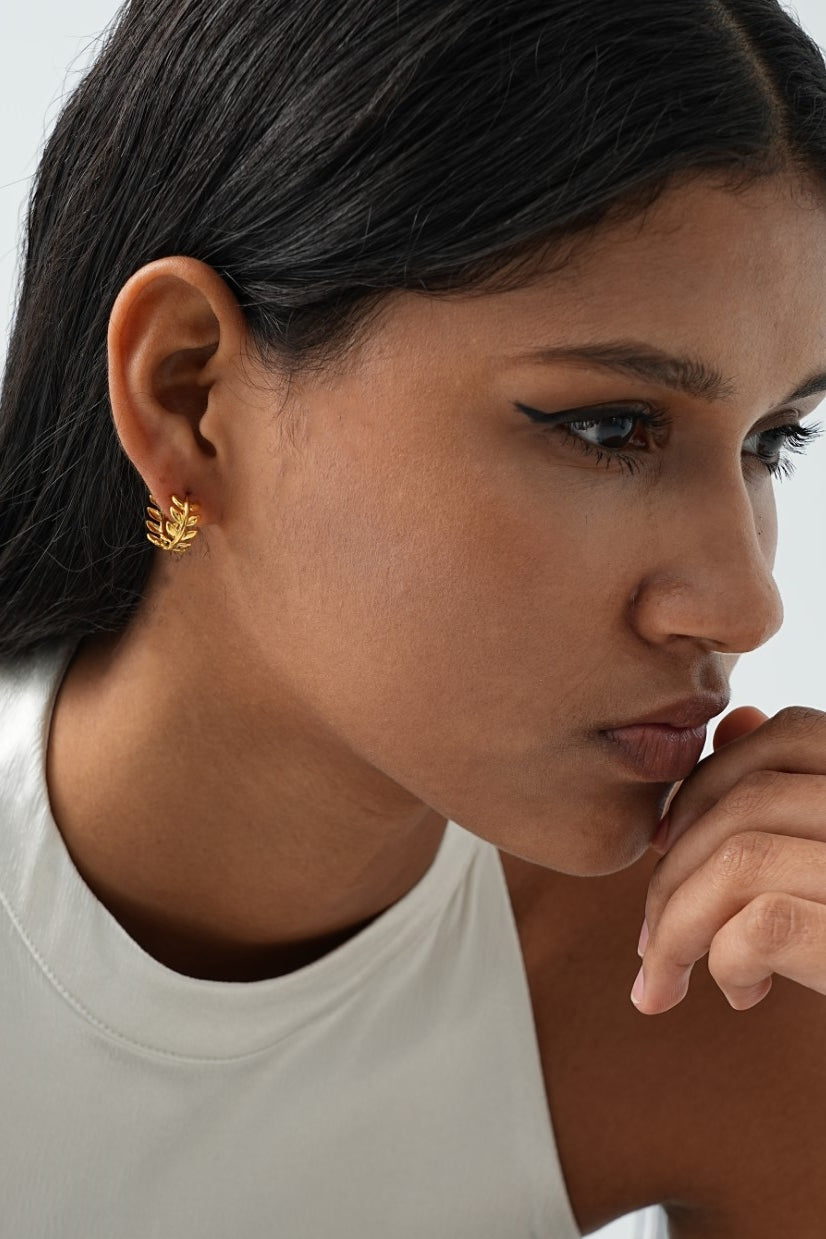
[(710, 578)]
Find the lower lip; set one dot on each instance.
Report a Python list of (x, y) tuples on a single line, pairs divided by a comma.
[(657, 751)]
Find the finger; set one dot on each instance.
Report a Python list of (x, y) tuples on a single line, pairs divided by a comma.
[(766, 800), (776, 932), (794, 739), (744, 867), (738, 723)]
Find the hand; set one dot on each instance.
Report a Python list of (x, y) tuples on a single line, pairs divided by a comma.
[(744, 877)]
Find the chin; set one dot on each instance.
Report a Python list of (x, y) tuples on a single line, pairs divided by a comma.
[(594, 837), (619, 832)]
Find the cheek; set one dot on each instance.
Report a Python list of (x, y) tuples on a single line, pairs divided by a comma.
[(458, 630), (435, 613)]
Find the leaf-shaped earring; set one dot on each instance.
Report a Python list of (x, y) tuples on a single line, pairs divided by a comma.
[(176, 532)]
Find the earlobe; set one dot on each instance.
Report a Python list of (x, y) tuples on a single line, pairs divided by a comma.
[(174, 325)]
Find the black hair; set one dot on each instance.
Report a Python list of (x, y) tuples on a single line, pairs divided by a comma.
[(318, 155)]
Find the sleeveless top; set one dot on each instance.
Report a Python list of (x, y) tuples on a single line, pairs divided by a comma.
[(392, 1088)]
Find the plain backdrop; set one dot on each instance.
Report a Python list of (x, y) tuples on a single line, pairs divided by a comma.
[(44, 47)]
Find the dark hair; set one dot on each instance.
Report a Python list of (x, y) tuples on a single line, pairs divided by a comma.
[(318, 155)]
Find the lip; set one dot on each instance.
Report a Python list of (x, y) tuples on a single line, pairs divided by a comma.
[(689, 712), (665, 745), (656, 751)]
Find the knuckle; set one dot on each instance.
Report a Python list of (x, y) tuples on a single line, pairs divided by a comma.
[(743, 857), (751, 794), (774, 922), (802, 720)]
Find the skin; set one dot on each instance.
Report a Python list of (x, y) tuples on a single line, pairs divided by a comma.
[(743, 880), (410, 603)]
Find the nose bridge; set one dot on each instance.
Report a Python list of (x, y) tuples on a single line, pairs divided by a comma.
[(711, 574)]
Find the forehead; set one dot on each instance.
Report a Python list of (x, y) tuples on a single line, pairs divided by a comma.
[(699, 239), (737, 279)]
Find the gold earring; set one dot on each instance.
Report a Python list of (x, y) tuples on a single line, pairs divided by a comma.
[(173, 533)]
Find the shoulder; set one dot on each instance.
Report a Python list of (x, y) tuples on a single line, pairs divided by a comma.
[(718, 1114)]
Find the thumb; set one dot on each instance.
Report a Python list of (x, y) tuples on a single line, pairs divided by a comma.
[(739, 723)]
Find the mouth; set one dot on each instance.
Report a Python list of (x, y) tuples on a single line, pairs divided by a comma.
[(657, 752), (665, 745)]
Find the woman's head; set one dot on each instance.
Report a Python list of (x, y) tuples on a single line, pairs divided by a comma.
[(317, 238), (461, 596)]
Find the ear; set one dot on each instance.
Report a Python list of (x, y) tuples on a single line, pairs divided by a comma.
[(175, 331)]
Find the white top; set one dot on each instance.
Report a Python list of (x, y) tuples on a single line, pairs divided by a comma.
[(390, 1090)]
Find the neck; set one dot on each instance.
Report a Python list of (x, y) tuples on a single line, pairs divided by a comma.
[(232, 835)]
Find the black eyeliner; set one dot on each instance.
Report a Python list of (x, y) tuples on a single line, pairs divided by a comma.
[(590, 413), (570, 415)]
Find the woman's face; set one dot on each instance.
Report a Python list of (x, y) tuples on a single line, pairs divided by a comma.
[(467, 597)]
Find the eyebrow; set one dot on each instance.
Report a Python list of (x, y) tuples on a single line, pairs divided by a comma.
[(646, 361)]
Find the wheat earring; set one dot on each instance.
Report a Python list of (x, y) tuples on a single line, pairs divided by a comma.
[(175, 532)]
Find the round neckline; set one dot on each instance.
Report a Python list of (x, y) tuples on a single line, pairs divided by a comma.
[(104, 973)]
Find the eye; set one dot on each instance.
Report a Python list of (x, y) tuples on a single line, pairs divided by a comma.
[(769, 446), (608, 433), (612, 433)]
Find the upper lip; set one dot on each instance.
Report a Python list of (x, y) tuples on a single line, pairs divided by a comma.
[(688, 712)]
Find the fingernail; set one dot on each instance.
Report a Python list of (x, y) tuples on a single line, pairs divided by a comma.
[(638, 989), (643, 942)]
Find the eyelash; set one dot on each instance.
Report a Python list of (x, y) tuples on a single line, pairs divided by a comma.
[(796, 438)]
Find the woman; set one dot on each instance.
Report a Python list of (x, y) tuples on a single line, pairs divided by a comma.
[(388, 432)]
